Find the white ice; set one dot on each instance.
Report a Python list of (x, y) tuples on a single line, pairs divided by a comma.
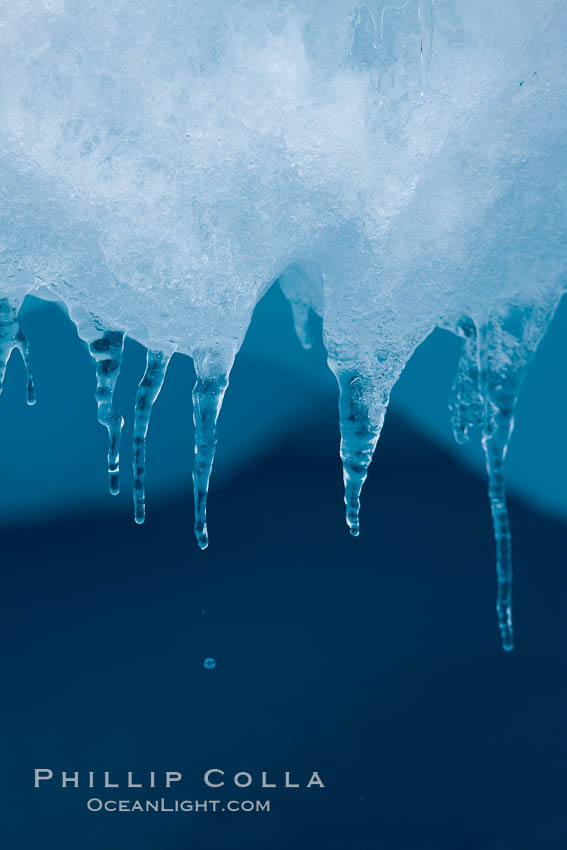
[(396, 165)]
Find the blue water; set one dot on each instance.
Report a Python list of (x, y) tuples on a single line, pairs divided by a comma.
[(374, 660)]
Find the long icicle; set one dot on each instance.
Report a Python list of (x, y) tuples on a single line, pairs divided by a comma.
[(484, 395), (494, 443), (11, 337), (499, 393), (208, 395), (148, 390), (506, 345), (107, 353)]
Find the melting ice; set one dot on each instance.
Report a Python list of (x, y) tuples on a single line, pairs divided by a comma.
[(396, 166)]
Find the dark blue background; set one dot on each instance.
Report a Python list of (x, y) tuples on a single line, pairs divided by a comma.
[(375, 661)]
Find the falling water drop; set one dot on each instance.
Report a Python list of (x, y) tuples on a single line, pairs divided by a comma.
[(107, 351), (146, 395), (208, 395)]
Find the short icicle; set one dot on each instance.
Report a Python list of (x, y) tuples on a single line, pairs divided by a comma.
[(12, 337), (24, 349), (359, 435), (148, 390), (365, 381), (106, 351), (208, 395)]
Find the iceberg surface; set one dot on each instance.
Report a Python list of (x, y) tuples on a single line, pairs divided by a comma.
[(396, 167)]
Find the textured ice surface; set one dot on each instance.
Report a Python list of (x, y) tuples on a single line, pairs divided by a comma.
[(397, 166)]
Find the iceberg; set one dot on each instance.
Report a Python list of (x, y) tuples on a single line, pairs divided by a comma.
[(393, 166)]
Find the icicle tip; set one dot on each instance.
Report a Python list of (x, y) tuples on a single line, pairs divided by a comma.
[(202, 536), (114, 481)]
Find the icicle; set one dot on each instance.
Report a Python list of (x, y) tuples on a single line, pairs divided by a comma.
[(359, 435), (148, 390), (11, 337), (507, 343), (480, 398), (24, 349), (499, 402), (208, 395), (425, 11), (366, 380), (465, 404), (106, 351)]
